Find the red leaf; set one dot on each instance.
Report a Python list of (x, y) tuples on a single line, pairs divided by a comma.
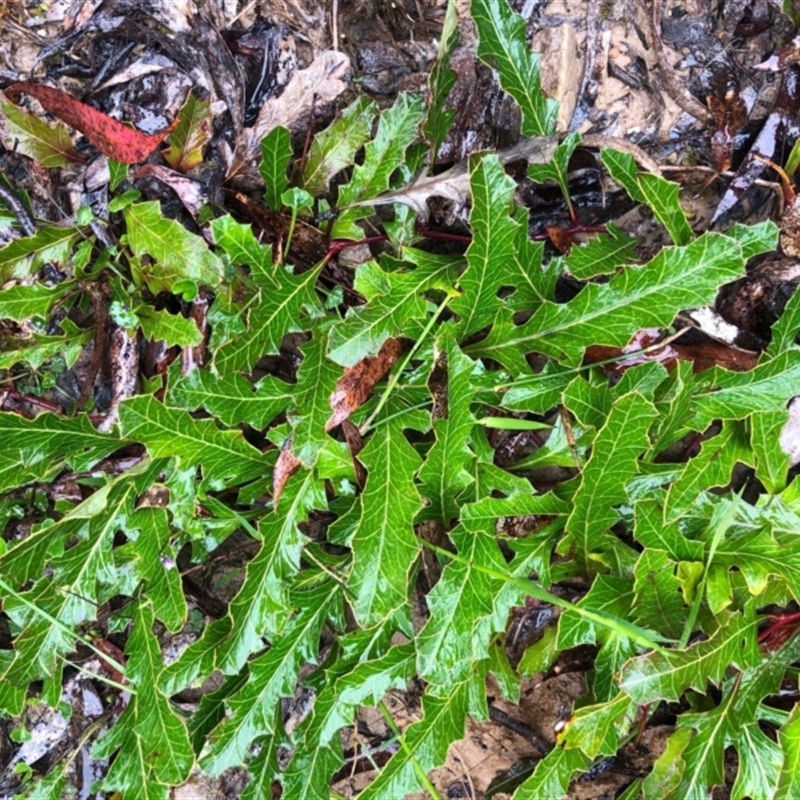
[(109, 136)]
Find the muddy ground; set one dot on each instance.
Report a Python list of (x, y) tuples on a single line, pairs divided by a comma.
[(680, 84)]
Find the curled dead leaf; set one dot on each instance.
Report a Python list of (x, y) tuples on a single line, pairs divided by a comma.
[(286, 465), (110, 137)]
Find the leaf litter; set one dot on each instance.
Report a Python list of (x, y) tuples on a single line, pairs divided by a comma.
[(323, 423)]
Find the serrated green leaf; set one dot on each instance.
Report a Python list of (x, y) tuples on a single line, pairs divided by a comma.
[(272, 676), (316, 381), (785, 330), (557, 169), (276, 153), (397, 129), (532, 282), (735, 395), (448, 467), (178, 255), (395, 307), (232, 399), (162, 735), (652, 532), (264, 770), (735, 722), (441, 80), (261, 607), (172, 329), (658, 602), (653, 190), (609, 596), (384, 545), (789, 741), (224, 456), (335, 148), (494, 236), (502, 43), (36, 449), (712, 468), (21, 258), (640, 297), (276, 307), (191, 134), (461, 605), (598, 729), (428, 740), (772, 464), (759, 556), (28, 135), (161, 577), (153, 745), (612, 463), (602, 254), (553, 774), (22, 302), (666, 675)]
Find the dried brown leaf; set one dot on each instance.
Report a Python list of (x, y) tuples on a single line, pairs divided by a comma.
[(358, 381)]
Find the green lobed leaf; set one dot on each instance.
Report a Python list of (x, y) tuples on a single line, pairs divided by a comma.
[(610, 596), (448, 466), (612, 463), (25, 133), (272, 676), (192, 133), (441, 80), (21, 258), (602, 254), (735, 723), (658, 602), (161, 577), (397, 129), (224, 456), (232, 398), (494, 236), (172, 329), (276, 306), (553, 774), (666, 675), (652, 190), (427, 741), (735, 395), (461, 605), (785, 330), (21, 302), (317, 377), (531, 281), (36, 449), (276, 153), (639, 297), (395, 306), (502, 44), (789, 741), (384, 544), (335, 148), (261, 607), (557, 169), (177, 254), (772, 464), (712, 468), (599, 729)]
